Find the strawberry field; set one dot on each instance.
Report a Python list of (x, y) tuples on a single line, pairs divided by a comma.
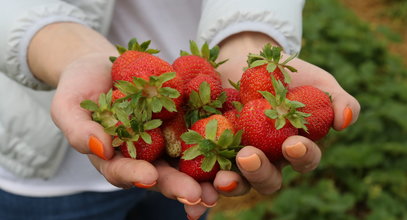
[(363, 172)]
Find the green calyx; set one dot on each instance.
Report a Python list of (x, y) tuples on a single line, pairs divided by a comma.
[(136, 46), (149, 96), (205, 52), (220, 150), (120, 120), (271, 55), (201, 106), (284, 109)]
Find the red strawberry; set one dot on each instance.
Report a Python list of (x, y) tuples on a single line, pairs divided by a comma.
[(319, 105), (143, 151), (232, 115), (201, 61), (260, 131), (232, 95), (208, 147), (172, 130), (206, 98), (117, 94), (261, 68), (194, 84), (127, 57)]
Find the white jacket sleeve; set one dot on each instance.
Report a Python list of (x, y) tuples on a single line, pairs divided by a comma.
[(280, 19), (21, 19)]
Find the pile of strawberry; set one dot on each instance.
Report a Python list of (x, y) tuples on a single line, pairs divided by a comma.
[(181, 110)]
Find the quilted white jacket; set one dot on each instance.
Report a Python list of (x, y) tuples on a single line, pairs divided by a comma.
[(30, 144)]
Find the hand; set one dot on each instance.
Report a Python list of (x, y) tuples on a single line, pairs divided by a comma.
[(80, 72), (301, 153)]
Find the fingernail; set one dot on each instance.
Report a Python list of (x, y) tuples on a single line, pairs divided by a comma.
[(209, 206), (186, 202), (250, 163), (296, 151), (191, 218), (144, 186), (228, 188), (347, 117), (96, 147)]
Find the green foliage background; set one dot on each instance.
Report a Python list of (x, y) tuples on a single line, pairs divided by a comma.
[(363, 172)]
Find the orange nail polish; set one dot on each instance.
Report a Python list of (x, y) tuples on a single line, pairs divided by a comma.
[(229, 188), (347, 117), (145, 186), (250, 163), (186, 202), (191, 218), (297, 150), (209, 206), (96, 147)]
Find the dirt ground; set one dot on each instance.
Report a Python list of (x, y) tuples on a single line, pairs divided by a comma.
[(372, 11)]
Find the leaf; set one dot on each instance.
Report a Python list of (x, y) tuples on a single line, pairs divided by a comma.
[(224, 163), (146, 137), (131, 149), (211, 110), (208, 163), (116, 142), (126, 87), (205, 92), (155, 123), (270, 98), (205, 51), (156, 105), (279, 123), (89, 105), (191, 137), (168, 104), (237, 139), (271, 67), (166, 77), (226, 138), (169, 92), (121, 49), (194, 48), (194, 100), (258, 63), (191, 153), (271, 113), (210, 129)]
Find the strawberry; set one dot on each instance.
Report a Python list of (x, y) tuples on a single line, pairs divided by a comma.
[(206, 98), (172, 130), (319, 105), (193, 85), (232, 95), (127, 57), (145, 149), (209, 147), (117, 94), (201, 61), (263, 66)]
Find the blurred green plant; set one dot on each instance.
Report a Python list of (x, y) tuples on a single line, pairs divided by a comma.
[(363, 172)]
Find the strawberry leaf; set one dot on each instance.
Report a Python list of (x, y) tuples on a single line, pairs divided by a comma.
[(194, 48), (211, 110), (205, 92), (225, 139), (191, 137), (89, 105), (168, 104), (237, 138), (169, 92), (280, 123), (208, 163), (146, 137), (156, 105), (126, 87), (205, 51), (166, 77), (191, 153), (235, 85), (224, 163), (155, 123), (271, 67), (117, 142), (211, 129), (271, 113), (258, 63), (131, 149)]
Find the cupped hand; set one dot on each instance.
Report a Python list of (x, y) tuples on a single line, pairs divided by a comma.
[(301, 153), (87, 78)]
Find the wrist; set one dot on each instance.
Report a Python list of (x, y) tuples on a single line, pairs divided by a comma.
[(58, 45)]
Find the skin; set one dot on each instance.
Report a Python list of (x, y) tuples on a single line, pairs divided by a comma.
[(76, 58)]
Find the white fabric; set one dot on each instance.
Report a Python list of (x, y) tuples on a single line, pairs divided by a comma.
[(157, 20)]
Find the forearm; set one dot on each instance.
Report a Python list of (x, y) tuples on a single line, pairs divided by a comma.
[(236, 48), (57, 45)]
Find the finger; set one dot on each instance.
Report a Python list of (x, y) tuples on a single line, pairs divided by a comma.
[(230, 183), (302, 153), (195, 211), (346, 109), (259, 172), (177, 185), (209, 195), (85, 135), (125, 172)]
